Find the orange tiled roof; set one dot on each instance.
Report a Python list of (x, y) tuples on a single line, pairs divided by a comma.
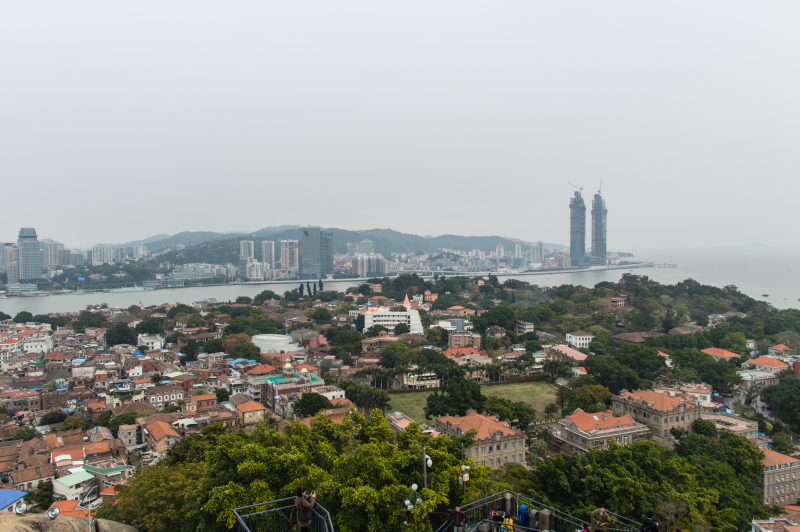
[(768, 361), (599, 421), (662, 354), (160, 430), (772, 458), (720, 353), (250, 406), (661, 402), (485, 426), (203, 397), (781, 347), (261, 369)]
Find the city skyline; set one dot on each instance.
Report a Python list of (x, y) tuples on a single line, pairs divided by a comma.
[(516, 100)]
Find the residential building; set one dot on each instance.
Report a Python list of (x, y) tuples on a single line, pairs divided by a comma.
[(250, 413), (780, 483), (577, 231), (8, 498), (563, 352), (28, 479), (330, 392), (582, 432), (290, 382), (720, 354), (290, 254), (537, 253), (365, 247), (161, 396), (50, 251), (367, 264), (246, 249), (102, 254), (255, 270), (496, 443), (780, 351), (387, 318), (29, 255), (579, 339), (599, 230), (737, 425), (458, 340), (770, 364), (73, 487), (268, 254), (758, 379), (660, 410), (524, 327), (152, 341), (159, 436)]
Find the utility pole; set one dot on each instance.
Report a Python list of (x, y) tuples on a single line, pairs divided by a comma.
[(425, 467)]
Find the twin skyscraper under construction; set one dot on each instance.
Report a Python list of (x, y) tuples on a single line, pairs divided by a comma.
[(577, 231)]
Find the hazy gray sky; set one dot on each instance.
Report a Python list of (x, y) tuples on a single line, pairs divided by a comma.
[(119, 120)]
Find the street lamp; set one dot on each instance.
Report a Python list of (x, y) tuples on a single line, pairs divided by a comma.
[(464, 477)]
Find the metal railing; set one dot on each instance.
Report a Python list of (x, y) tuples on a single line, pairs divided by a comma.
[(279, 516), (480, 511)]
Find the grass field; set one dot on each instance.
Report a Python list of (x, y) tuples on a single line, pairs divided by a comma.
[(536, 394)]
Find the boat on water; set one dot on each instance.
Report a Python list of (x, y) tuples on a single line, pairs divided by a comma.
[(134, 288), (764, 295)]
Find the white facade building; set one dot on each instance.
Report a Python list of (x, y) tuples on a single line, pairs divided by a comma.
[(153, 341), (102, 254), (382, 316), (579, 339)]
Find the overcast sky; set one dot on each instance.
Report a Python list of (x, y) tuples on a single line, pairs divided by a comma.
[(120, 120)]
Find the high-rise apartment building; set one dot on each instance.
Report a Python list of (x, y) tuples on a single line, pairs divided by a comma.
[(599, 230), (102, 254), (5, 254), (12, 266), (499, 250), (50, 249), (29, 255), (120, 254), (537, 253), (290, 255), (268, 254), (247, 249), (365, 247), (138, 252), (517, 251), (577, 231), (316, 253)]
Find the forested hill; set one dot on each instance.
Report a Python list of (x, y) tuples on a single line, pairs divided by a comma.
[(217, 248)]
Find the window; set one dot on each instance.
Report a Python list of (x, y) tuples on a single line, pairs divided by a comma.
[(513, 458), (505, 459), (520, 458), (491, 447), (514, 444), (505, 446), (491, 461), (498, 446)]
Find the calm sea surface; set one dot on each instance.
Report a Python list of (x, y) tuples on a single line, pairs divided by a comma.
[(755, 271)]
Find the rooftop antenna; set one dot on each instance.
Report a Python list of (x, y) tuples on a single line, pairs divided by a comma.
[(576, 186), (600, 188)]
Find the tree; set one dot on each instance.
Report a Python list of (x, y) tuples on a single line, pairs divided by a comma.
[(222, 395), (124, 419), (589, 397), (321, 315), (243, 300), (156, 378), (149, 326), (156, 498), (23, 317), (52, 418), (170, 409), (310, 404), (74, 422), (401, 328), (301, 289), (265, 295), (735, 342), (120, 334), (4, 316), (396, 355), (44, 494), (103, 419), (246, 350), (320, 285), (550, 410), (25, 434), (229, 342), (457, 397), (563, 397), (704, 427)]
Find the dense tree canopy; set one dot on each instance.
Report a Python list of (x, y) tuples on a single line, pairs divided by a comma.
[(456, 398)]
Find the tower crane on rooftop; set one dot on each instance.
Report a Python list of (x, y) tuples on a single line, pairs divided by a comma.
[(576, 186)]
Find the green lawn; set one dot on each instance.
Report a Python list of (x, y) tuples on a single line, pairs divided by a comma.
[(536, 394)]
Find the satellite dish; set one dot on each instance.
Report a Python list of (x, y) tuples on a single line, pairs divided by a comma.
[(20, 508), (53, 512)]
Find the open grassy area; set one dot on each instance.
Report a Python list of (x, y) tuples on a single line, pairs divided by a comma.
[(536, 394)]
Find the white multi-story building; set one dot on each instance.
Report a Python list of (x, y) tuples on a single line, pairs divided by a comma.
[(268, 254), (290, 255), (382, 316), (102, 254), (255, 270), (579, 339), (50, 249), (151, 341), (246, 249)]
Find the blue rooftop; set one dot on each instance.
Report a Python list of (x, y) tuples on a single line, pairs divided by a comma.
[(9, 497)]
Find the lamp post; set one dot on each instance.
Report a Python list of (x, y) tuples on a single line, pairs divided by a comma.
[(464, 477), (426, 463)]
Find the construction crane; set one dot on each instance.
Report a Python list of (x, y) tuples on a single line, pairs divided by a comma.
[(576, 186), (600, 188)]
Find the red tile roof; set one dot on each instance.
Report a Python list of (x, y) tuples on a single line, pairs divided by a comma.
[(250, 406), (485, 426), (602, 420), (661, 402), (768, 361), (720, 353), (772, 458), (160, 430)]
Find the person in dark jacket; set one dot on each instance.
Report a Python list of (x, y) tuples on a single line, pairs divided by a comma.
[(600, 519), (649, 525), (459, 520), (303, 505)]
